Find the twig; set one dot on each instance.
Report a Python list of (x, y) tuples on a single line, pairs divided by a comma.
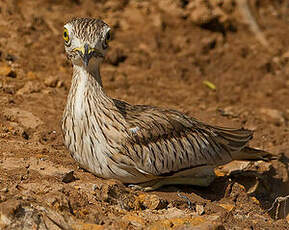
[(187, 199), (278, 200), (251, 21)]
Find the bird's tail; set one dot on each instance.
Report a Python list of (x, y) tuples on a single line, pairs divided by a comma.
[(248, 153), (236, 141)]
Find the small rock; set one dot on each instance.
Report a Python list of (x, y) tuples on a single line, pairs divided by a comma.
[(115, 5), (8, 88), (272, 115), (60, 84), (5, 70), (285, 56), (209, 15), (276, 60), (94, 187), (232, 168), (157, 21), (228, 6), (134, 220), (174, 213), (12, 74), (237, 190), (51, 81), (25, 135), (15, 213), (248, 172), (50, 200), (199, 13), (76, 187), (30, 87), (189, 223), (25, 118), (255, 200), (68, 177), (4, 190), (152, 202), (6, 212), (86, 226), (200, 209), (10, 57), (171, 8), (31, 75), (228, 111), (112, 192), (208, 43), (228, 207), (116, 56)]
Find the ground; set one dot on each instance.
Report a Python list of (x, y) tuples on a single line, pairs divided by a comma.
[(224, 63)]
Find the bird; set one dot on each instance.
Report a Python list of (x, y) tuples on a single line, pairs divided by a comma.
[(143, 146)]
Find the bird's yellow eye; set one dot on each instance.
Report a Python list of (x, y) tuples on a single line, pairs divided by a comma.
[(65, 35), (107, 37), (106, 40)]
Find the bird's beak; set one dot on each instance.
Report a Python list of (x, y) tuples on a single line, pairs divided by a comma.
[(86, 52)]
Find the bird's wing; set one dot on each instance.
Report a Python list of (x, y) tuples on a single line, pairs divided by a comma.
[(163, 142)]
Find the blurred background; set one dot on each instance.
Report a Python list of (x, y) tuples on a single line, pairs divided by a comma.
[(225, 62)]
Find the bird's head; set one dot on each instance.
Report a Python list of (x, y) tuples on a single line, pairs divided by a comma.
[(86, 41)]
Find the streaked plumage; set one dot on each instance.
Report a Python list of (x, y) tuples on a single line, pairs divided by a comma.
[(137, 143)]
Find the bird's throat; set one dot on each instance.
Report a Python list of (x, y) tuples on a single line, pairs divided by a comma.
[(85, 86)]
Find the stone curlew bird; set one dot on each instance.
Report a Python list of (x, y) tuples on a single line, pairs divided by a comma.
[(137, 144)]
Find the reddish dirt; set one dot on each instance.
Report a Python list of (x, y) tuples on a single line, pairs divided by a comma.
[(161, 52)]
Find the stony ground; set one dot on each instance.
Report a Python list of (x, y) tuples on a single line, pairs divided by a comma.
[(219, 61)]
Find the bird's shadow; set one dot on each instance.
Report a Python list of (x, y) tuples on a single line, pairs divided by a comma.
[(265, 187)]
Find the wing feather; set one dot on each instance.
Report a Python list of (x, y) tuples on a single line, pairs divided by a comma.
[(169, 142)]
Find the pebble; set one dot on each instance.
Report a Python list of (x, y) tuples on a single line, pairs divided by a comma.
[(116, 56), (4, 190), (285, 56), (232, 167), (134, 220), (6, 70), (200, 209), (199, 14), (10, 57), (272, 115), (208, 43), (31, 75), (152, 202), (30, 87), (228, 111), (52, 81), (68, 177), (228, 207), (25, 118)]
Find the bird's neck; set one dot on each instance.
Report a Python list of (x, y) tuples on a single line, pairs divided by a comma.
[(86, 90), (92, 75), (87, 82)]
